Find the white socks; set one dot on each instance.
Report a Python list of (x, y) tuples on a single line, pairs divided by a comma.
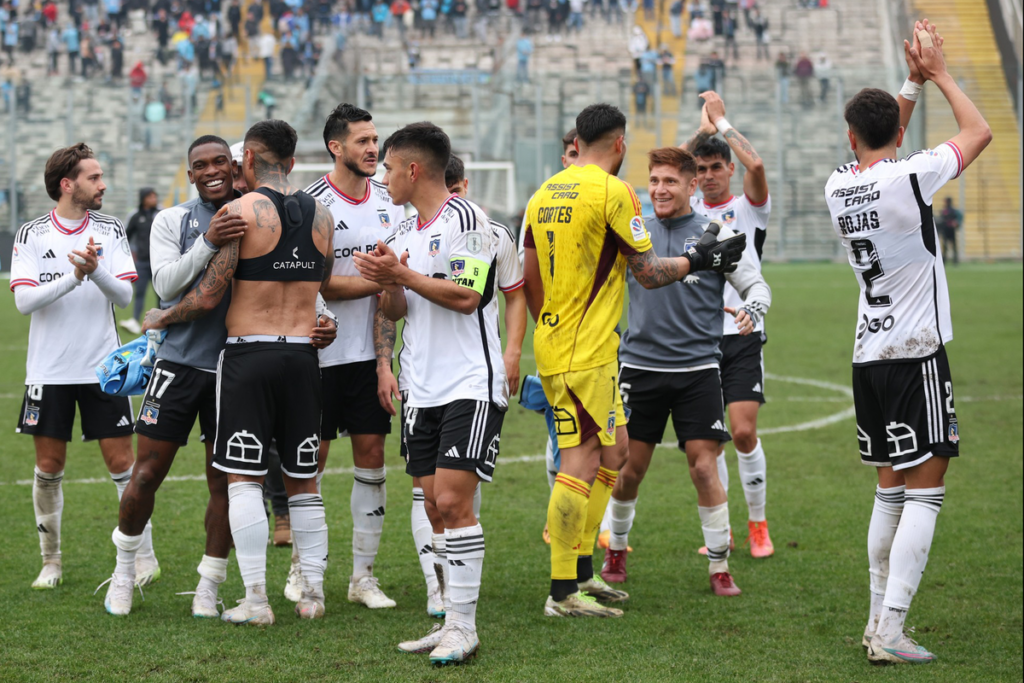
[(885, 517), (441, 568), (622, 513), (48, 500), (753, 474), (723, 471), (127, 547), (465, 548), (249, 529), (549, 462), (908, 557), (422, 534), (714, 522), (368, 502), (478, 500), (121, 482), (309, 535), (213, 571)]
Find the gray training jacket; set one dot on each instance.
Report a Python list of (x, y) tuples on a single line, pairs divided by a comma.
[(680, 326)]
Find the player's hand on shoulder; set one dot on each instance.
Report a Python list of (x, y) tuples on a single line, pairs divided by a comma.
[(226, 225)]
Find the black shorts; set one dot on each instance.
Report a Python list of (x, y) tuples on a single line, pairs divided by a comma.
[(463, 435), (49, 410), (268, 390), (742, 367), (905, 412), (350, 401), (694, 400), (176, 395)]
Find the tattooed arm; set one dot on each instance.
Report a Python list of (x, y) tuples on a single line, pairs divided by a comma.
[(205, 296), (384, 333), (755, 181), (652, 271), (323, 225)]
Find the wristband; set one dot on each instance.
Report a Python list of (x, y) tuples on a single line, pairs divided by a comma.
[(910, 90), (723, 125)]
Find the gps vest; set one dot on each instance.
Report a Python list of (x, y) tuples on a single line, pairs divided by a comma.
[(295, 258)]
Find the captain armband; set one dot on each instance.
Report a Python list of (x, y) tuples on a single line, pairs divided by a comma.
[(469, 272)]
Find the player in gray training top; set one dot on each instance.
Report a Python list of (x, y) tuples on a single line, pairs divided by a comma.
[(669, 364), (902, 389)]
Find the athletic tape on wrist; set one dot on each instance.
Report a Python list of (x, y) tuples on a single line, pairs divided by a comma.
[(910, 90), (723, 125)]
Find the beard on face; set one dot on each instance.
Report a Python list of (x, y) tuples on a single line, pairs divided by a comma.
[(356, 168), (86, 200)]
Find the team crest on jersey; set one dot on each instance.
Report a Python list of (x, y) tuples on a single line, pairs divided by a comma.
[(636, 226), (954, 431), (385, 219), (435, 245), (458, 267), (729, 216), (150, 413), (31, 416), (474, 243)]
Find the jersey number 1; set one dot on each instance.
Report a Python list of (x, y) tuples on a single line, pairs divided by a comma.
[(867, 248)]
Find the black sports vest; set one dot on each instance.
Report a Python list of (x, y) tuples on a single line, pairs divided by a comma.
[(295, 258)]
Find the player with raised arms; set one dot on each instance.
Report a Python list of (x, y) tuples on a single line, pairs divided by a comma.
[(268, 378), (438, 273), (583, 228), (670, 360), (358, 382), (907, 425), (742, 364), (68, 270)]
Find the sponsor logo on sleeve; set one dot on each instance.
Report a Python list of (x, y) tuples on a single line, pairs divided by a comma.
[(637, 227), (474, 243)]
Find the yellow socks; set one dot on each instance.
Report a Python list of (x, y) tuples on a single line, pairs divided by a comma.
[(600, 494), (567, 514)]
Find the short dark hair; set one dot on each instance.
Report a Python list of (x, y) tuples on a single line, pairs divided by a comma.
[(423, 138), (597, 121), (64, 164), (874, 117), (207, 140), (276, 136), (675, 157), (336, 127), (714, 147), (568, 139), (456, 171)]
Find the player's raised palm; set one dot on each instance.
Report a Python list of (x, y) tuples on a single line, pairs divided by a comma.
[(930, 62)]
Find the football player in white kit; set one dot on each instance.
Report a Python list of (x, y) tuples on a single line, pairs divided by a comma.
[(742, 364), (438, 273), (358, 383), (907, 427), (69, 267)]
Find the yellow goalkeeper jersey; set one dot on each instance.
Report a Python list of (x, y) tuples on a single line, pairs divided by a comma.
[(583, 222)]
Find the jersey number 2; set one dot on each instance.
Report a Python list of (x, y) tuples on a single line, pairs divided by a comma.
[(867, 248)]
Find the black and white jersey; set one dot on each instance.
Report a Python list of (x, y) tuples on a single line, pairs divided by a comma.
[(71, 336), (883, 215), (358, 224), (509, 275), (446, 355), (743, 216)]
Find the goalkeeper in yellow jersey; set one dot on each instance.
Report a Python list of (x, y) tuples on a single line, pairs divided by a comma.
[(584, 226)]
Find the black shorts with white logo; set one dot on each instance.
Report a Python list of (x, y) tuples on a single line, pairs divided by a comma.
[(176, 395), (49, 410), (462, 435), (905, 412), (350, 401), (265, 391), (694, 400), (742, 367)]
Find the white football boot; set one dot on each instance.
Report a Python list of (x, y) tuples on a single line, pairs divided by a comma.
[(458, 645), (50, 577), (293, 588), (258, 614), (119, 594), (425, 644), (311, 605), (366, 591), (204, 603), (147, 570)]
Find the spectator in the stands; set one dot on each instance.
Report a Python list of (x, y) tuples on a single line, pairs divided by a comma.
[(729, 32), (804, 72), (267, 46), (675, 18), (759, 24), (668, 79), (641, 89), (53, 47), (949, 223), (380, 17), (524, 48), (782, 73), (137, 232), (823, 70)]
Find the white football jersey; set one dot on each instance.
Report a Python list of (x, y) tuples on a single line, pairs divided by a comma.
[(510, 268), (742, 216), (70, 337), (448, 356), (358, 224), (883, 215)]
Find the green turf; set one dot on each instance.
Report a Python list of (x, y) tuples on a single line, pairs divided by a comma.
[(799, 619)]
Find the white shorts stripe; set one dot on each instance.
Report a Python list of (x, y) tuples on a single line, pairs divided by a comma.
[(937, 393), (928, 399)]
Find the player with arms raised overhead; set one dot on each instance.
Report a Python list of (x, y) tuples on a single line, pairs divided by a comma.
[(906, 421), (356, 370), (583, 228), (68, 269), (452, 376), (268, 379), (742, 364)]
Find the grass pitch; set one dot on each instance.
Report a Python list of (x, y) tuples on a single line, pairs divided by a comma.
[(799, 619)]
